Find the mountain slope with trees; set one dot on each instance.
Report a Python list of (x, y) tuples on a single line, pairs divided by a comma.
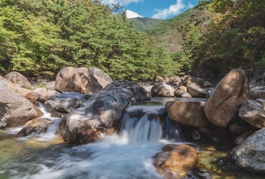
[(141, 24)]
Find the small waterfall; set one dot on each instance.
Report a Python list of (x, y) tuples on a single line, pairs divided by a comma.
[(148, 124)]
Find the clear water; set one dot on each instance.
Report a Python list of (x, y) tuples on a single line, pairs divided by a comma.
[(124, 156)]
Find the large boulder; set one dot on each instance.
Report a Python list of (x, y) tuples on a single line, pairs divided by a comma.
[(15, 110), (196, 91), (162, 90), (9, 83), (33, 126), (175, 160), (18, 78), (222, 107), (196, 80), (76, 80), (253, 113), (89, 123), (23, 92), (65, 102), (189, 113), (250, 154), (130, 90), (103, 78)]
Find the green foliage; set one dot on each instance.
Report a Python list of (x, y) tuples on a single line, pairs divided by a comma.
[(44, 36), (142, 24), (26, 41)]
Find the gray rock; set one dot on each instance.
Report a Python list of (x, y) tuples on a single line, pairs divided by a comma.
[(251, 153), (65, 102), (252, 112), (86, 124), (15, 110), (162, 90), (185, 95), (196, 91)]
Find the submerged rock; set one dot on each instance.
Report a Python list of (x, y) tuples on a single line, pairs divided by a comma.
[(250, 154), (222, 107), (175, 160), (253, 113), (14, 109), (189, 113), (65, 102), (89, 123), (33, 126), (162, 90), (76, 80), (19, 79)]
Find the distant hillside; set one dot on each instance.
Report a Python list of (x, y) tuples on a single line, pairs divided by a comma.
[(142, 24), (164, 25)]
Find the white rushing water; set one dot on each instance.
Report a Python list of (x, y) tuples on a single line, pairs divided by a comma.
[(124, 156)]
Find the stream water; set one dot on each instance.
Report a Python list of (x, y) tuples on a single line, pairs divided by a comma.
[(142, 134)]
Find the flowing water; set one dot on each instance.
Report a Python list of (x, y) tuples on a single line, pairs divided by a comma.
[(144, 130)]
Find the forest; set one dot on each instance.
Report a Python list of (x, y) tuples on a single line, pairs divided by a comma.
[(40, 37)]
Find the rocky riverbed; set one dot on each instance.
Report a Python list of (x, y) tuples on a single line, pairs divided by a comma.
[(85, 125)]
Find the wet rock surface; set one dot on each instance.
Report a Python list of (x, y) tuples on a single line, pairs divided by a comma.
[(89, 123), (175, 160)]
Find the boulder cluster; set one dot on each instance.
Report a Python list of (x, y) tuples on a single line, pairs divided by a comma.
[(91, 104)]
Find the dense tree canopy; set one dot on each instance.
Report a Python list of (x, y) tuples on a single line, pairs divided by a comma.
[(46, 35)]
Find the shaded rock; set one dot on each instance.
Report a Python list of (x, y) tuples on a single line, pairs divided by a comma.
[(196, 135), (189, 113), (174, 160), (205, 131), (33, 126), (257, 92), (88, 124), (237, 129), (9, 83), (180, 90), (15, 110), (162, 90), (253, 113), (222, 107), (65, 102), (207, 84), (103, 78), (196, 91), (58, 114), (250, 154), (18, 78), (242, 138), (32, 97), (196, 80), (261, 101), (76, 80), (128, 89)]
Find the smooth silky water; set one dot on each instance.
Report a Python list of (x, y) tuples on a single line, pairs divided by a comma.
[(125, 155)]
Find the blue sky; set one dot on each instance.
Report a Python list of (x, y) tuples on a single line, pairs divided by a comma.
[(159, 9)]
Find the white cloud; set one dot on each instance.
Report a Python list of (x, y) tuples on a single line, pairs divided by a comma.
[(190, 5), (172, 10), (131, 14), (122, 2)]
